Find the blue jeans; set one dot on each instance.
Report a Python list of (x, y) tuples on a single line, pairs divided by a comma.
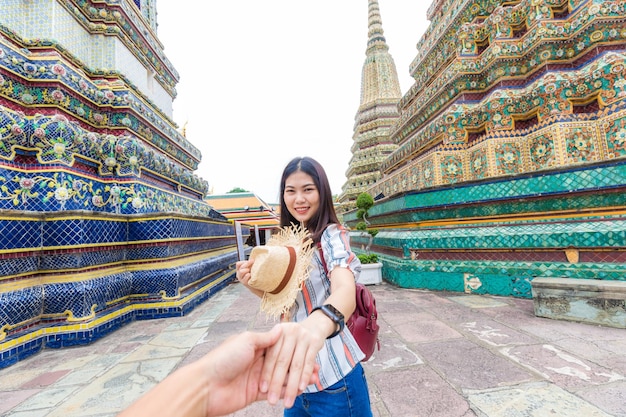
[(347, 398)]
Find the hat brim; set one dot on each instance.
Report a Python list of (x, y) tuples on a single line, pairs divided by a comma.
[(275, 305)]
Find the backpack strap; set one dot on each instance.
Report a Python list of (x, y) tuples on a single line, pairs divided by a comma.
[(319, 248)]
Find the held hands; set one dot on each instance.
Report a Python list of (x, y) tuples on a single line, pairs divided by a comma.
[(235, 370), (292, 357), (290, 364), (223, 381)]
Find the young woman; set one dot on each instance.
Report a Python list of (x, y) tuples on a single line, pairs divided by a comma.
[(314, 332)]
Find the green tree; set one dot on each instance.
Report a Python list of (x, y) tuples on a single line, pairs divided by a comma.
[(237, 190), (364, 202)]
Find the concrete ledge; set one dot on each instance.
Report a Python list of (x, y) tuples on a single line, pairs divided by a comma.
[(583, 300)]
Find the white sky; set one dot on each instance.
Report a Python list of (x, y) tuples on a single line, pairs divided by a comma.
[(262, 82)]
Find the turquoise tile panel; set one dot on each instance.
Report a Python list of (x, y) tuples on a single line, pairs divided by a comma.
[(607, 233), (495, 284), (500, 278), (549, 192)]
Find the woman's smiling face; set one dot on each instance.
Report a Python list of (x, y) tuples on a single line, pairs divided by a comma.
[(301, 196)]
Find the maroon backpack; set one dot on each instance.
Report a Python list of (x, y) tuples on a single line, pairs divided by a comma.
[(363, 322)]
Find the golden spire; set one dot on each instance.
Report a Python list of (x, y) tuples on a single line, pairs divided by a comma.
[(379, 79), (184, 130)]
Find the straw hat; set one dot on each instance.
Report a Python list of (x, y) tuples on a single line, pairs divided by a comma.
[(280, 267)]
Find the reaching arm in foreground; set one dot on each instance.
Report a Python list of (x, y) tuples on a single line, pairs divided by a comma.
[(221, 382)]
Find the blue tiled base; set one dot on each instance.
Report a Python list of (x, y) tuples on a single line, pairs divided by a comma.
[(117, 316), (20, 352), (61, 340)]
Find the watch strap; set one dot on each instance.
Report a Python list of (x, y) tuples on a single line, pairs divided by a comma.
[(333, 314)]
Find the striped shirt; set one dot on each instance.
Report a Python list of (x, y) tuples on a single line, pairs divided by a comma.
[(341, 353)]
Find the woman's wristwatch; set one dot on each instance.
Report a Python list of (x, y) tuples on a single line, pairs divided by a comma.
[(333, 314)]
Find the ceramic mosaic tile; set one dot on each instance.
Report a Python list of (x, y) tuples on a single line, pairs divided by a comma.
[(102, 220), (510, 150)]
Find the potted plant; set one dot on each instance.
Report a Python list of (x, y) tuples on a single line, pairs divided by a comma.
[(371, 269)]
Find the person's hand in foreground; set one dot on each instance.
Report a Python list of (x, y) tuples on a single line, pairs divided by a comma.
[(290, 362), (223, 381)]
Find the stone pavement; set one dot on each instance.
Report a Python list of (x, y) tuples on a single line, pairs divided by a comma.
[(442, 354)]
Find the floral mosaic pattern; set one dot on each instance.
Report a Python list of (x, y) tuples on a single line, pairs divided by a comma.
[(500, 62), (579, 145), (592, 24), (414, 178), (508, 159), (103, 220), (428, 173), (57, 140), (550, 96), (46, 191), (514, 106), (478, 164), (102, 105), (581, 141), (615, 136), (542, 154), (451, 169)]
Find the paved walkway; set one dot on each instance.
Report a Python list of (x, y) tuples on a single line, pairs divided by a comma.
[(443, 354)]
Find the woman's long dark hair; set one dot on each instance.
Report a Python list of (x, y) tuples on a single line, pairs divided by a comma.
[(326, 213)]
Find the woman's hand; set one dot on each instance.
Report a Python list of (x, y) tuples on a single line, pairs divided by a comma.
[(290, 362), (243, 269)]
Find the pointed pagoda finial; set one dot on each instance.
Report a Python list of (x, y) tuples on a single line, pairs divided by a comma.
[(375, 33), (379, 79), (184, 131), (378, 111)]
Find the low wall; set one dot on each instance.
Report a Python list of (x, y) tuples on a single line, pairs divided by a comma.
[(583, 300)]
